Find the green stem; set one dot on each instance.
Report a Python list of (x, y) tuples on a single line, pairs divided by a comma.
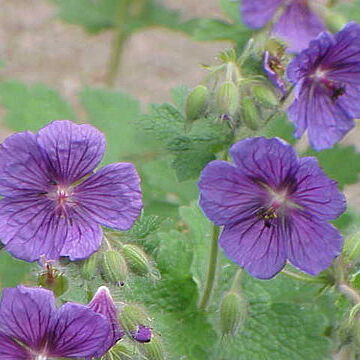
[(349, 292), (117, 47), (210, 279), (301, 277)]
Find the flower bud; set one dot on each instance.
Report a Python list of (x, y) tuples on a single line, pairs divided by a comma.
[(136, 259), (265, 96), (103, 303), (52, 279), (249, 113), (232, 313), (352, 247), (133, 320), (227, 98), (153, 350), (196, 103), (115, 267), (121, 351), (89, 266)]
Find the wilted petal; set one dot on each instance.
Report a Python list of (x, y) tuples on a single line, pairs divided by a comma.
[(112, 196), (269, 161), (26, 314), (298, 25), (78, 332), (312, 244), (258, 248), (22, 168), (103, 303), (71, 151), (316, 193), (276, 79), (10, 350), (29, 228), (256, 13), (226, 194)]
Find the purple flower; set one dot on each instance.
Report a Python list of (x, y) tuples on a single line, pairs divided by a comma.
[(297, 25), (53, 202), (327, 93), (274, 206), (103, 303), (32, 328)]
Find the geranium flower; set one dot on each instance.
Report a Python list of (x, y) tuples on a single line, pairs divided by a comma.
[(32, 328), (297, 25), (327, 94), (53, 201), (274, 207)]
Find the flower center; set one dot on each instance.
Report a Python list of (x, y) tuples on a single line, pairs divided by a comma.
[(335, 88), (62, 197), (41, 357)]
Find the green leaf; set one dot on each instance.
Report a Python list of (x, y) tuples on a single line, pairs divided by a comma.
[(13, 271), (94, 16), (280, 331), (186, 335), (174, 254), (332, 161), (232, 9), (200, 235), (163, 121), (215, 30), (281, 127), (32, 107), (115, 114), (98, 15)]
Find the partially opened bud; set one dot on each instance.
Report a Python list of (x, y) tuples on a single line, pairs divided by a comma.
[(249, 113), (115, 267), (153, 350), (52, 279), (133, 320), (136, 259), (103, 303), (89, 266), (227, 98), (196, 103), (232, 313)]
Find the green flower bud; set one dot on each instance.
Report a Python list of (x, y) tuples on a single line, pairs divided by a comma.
[(196, 103), (265, 95), (53, 279), (114, 267), (227, 98), (352, 247), (232, 313), (89, 266), (249, 113), (131, 317), (120, 351), (153, 350), (137, 259)]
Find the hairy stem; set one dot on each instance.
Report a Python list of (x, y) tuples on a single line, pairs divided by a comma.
[(210, 279), (349, 292), (118, 43), (301, 277)]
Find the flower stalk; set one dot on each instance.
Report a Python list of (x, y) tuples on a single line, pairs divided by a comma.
[(210, 278)]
